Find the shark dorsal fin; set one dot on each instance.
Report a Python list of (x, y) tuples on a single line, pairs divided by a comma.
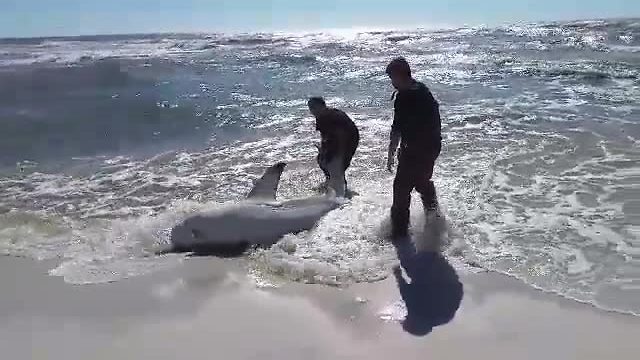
[(267, 186)]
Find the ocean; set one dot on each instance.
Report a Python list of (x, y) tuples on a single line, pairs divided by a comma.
[(108, 141)]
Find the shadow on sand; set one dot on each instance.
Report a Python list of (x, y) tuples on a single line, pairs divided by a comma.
[(435, 292)]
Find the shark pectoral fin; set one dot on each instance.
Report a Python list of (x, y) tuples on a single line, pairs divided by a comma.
[(267, 186)]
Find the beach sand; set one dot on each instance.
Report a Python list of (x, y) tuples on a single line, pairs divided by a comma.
[(209, 308)]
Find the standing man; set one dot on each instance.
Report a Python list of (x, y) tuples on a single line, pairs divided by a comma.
[(416, 128), (339, 134)]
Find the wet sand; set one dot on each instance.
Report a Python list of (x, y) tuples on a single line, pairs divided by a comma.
[(210, 308)]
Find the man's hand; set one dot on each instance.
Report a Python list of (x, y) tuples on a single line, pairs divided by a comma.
[(390, 161)]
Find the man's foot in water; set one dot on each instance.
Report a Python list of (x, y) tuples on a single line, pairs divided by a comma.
[(432, 212), (400, 235)]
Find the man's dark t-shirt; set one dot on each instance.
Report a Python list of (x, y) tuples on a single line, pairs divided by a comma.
[(330, 124), (417, 119)]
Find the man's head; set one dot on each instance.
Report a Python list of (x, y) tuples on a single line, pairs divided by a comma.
[(399, 72), (317, 105)]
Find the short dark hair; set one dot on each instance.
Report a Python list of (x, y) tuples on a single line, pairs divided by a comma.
[(316, 100), (399, 65)]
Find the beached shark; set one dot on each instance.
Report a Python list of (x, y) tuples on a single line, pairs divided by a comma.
[(259, 219)]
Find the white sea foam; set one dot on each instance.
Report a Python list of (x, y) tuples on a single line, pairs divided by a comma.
[(536, 177)]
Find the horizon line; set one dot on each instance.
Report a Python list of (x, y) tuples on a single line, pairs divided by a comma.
[(359, 29)]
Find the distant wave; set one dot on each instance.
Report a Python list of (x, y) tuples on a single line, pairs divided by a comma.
[(596, 35), (397, 38), (583, 74), (589, 74), (26, 84), (208, 46), (22, 41), (251, 40), (284, 59)]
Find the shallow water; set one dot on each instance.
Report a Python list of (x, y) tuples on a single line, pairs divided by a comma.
[(109, 141)]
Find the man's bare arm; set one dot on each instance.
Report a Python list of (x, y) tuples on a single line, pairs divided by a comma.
[(394, 141)]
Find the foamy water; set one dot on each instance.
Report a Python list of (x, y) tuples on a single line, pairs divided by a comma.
[(110, 141)]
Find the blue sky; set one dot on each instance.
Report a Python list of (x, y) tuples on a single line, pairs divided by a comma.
[(24, 18)]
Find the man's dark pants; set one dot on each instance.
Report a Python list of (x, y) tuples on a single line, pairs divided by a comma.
[(414, 172)]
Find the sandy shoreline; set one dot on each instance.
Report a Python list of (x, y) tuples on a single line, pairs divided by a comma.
[(209, 307)]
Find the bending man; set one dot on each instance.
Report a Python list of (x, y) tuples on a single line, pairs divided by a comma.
[(339, 134)]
